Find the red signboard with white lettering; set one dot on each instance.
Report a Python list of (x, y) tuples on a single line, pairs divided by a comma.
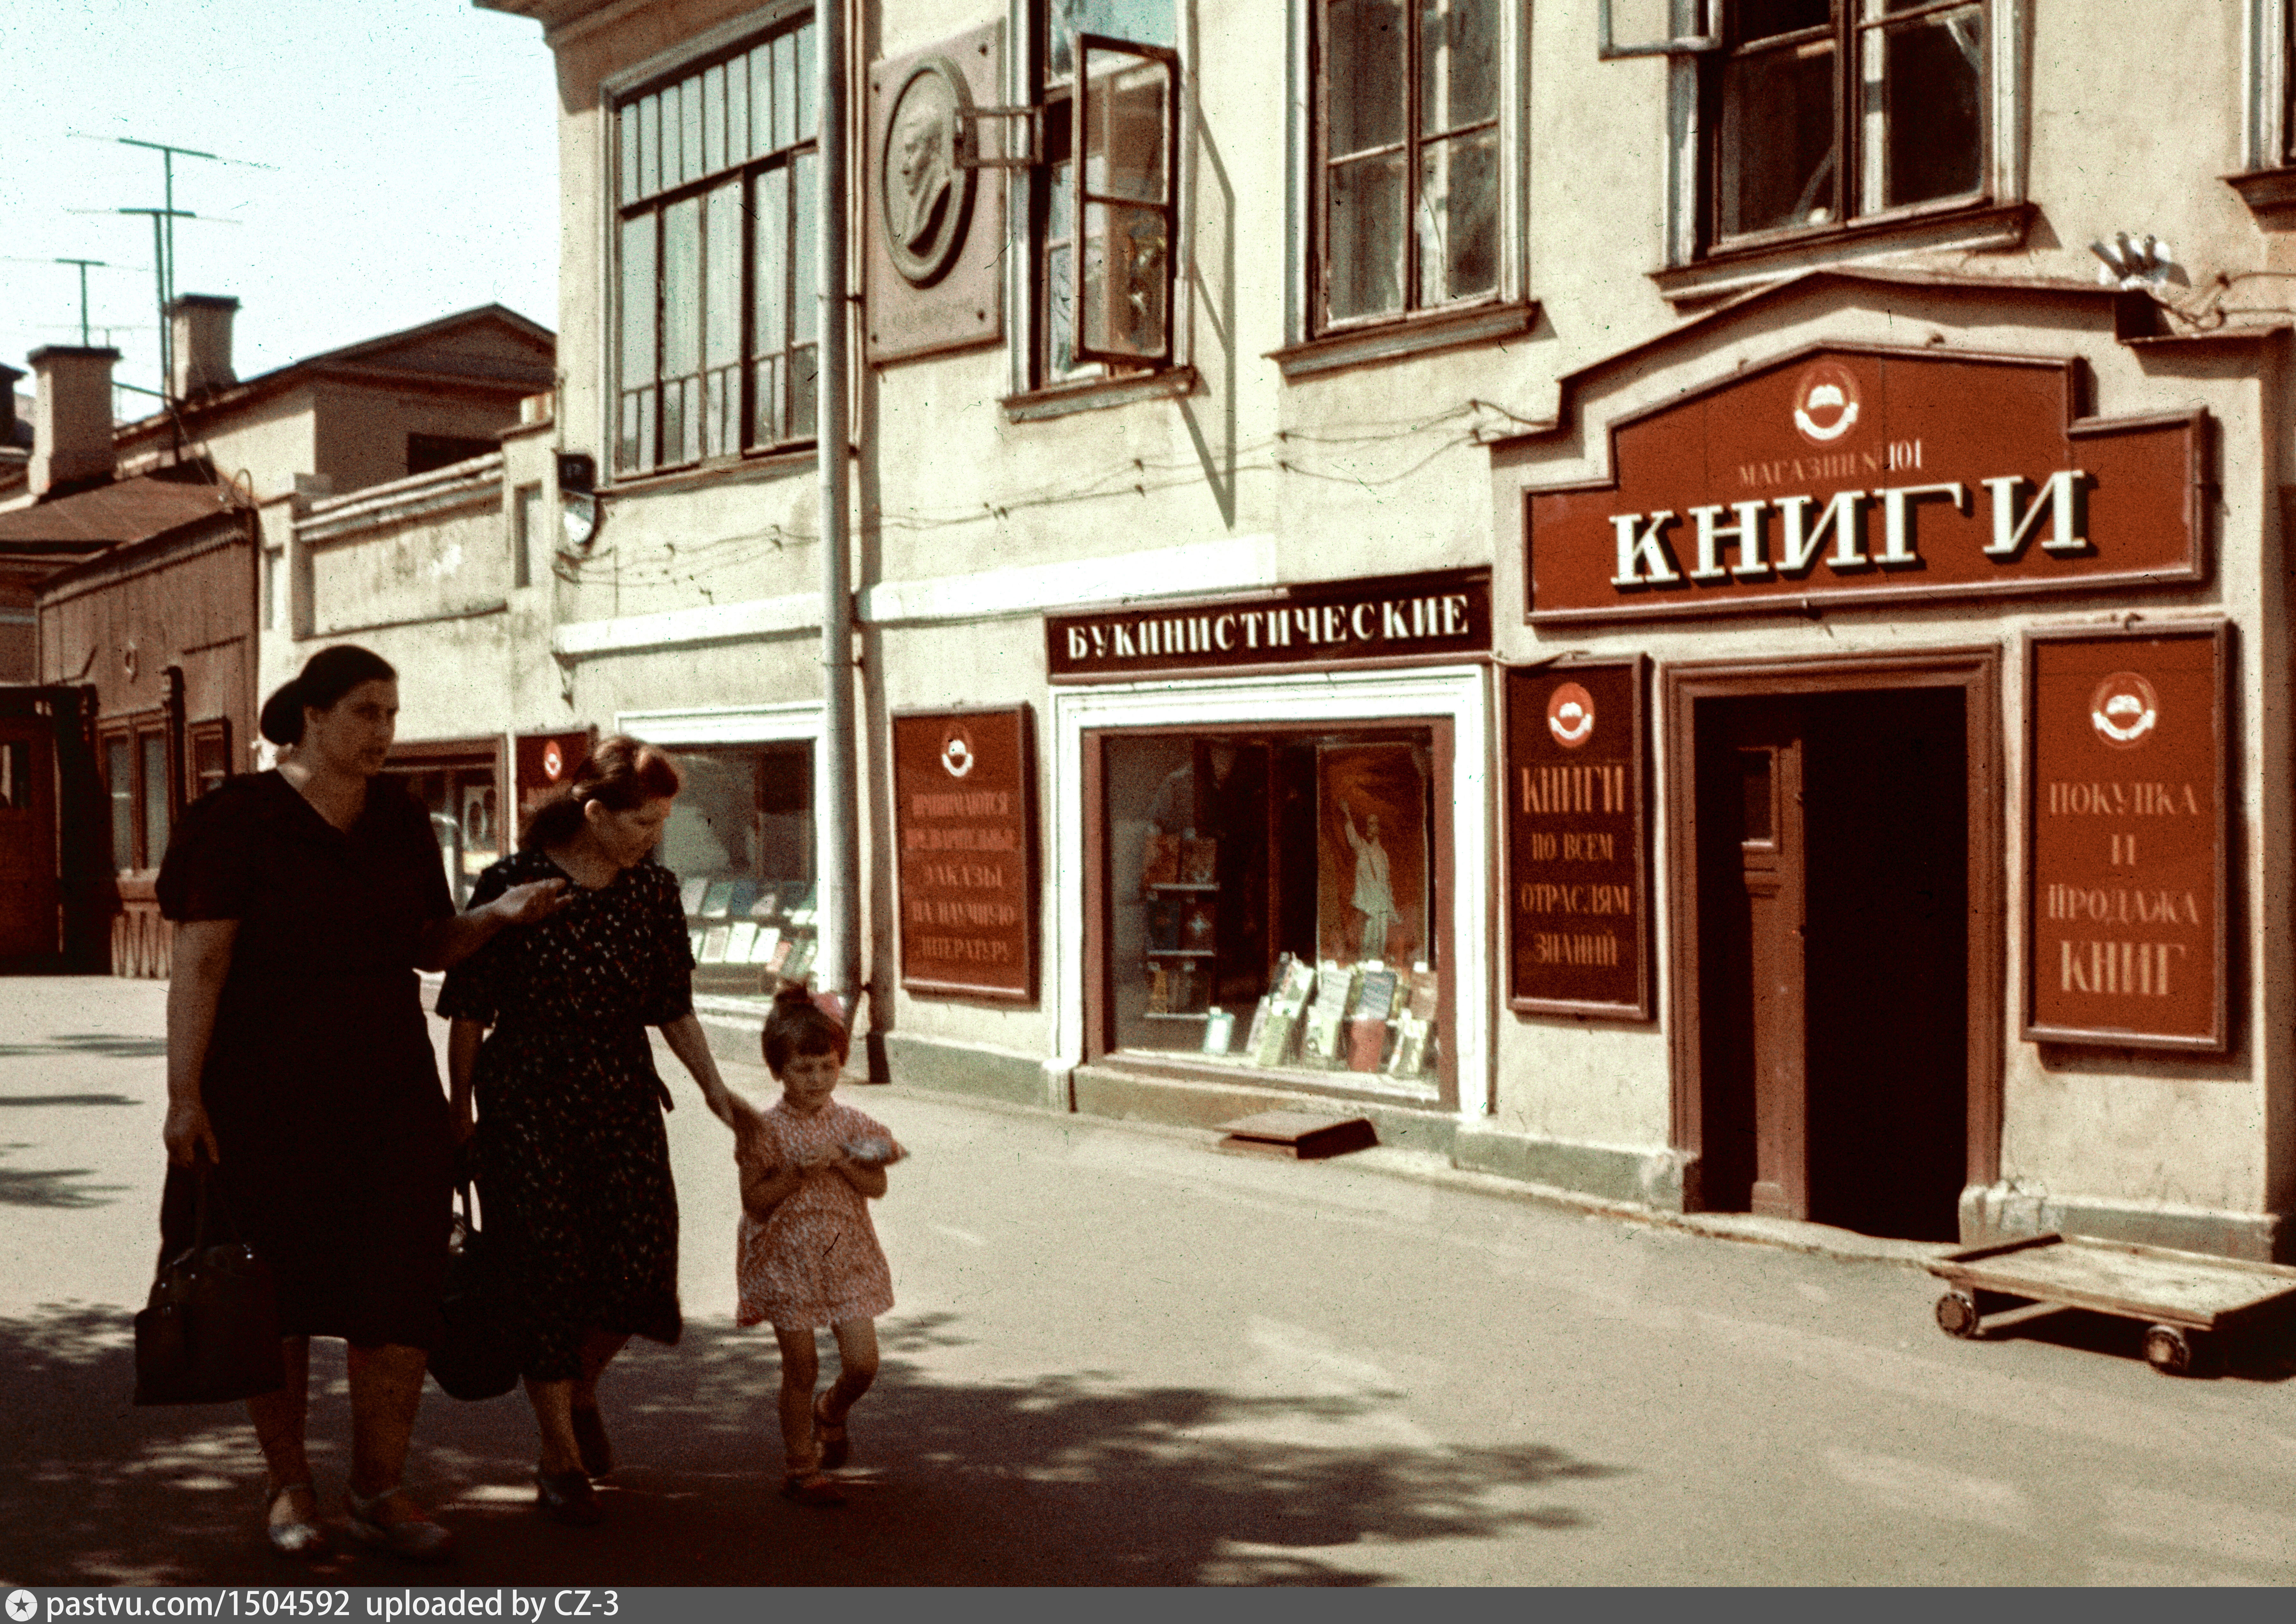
[(1843, 476), (1576, 881), (1387, 620), (963, 806), (2126, 839)]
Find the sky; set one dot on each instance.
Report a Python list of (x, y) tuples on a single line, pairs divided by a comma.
[(412, 154)]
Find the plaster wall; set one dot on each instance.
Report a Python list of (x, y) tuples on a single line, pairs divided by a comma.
[(441, 564)]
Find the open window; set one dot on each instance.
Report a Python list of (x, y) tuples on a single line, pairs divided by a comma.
[(1104, 194)]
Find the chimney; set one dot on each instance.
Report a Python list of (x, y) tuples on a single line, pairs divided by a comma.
[(71, 423), (199, 326)]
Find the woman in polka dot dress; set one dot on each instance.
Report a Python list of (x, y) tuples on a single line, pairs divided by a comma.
[(809, 1255)]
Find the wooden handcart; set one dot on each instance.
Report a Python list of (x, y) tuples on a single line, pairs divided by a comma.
[(2187, 1300)]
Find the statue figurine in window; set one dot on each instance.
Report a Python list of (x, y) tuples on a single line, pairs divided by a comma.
[(1374, 898)]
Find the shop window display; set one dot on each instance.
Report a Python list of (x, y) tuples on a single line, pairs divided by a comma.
[(740, 840), (1271, 900)]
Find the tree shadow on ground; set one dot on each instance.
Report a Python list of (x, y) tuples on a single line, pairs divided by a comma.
[(67, 1100), (52, 1187), (110, 1045), (1078, 1480)]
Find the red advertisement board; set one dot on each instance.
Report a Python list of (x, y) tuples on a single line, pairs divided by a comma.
[(964, 818), (2126, 838), (1843, 477)]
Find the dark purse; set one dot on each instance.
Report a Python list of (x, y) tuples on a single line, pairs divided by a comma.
[(485, 1345), (210, 1334)]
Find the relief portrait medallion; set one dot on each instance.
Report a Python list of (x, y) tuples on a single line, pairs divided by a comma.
[(925, 199)]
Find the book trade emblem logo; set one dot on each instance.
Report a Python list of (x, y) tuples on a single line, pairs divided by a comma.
[(956, 755), (1570, 716), (1825, 403), (2125, 710)]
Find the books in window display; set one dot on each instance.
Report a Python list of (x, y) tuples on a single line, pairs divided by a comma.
[(742, 942), (1199, 862), (800, 906), (1411, 1043), (692, 893), (1163, 922), (1323, 1043), (799, 964), (1276, 1035), (717, 900), (714, 944), (1160, 865)]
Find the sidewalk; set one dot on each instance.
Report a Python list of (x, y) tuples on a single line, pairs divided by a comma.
[(1120, 1358)]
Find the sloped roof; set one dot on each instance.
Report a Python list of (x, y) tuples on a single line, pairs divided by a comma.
[(488, 345), (111, 515)]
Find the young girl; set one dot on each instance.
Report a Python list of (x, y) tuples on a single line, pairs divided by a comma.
[(808, 1254)]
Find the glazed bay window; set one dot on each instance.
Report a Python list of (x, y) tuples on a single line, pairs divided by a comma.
[(1408, 163), (1830, 110), (1105, 204), (717, 194)]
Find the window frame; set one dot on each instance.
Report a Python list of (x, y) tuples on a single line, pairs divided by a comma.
[(2266, 178), (215, 731), (1321, 323), (136, 733), (1032, 392), (1700, 267), (692, 59)]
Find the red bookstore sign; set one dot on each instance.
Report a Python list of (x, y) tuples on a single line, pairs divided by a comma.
[(1843, 476)]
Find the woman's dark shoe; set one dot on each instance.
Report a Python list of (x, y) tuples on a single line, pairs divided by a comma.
[(412, 1535), (836, 1449), (812, 1488), (292, 1521), (566, 1497), (590, 1438)]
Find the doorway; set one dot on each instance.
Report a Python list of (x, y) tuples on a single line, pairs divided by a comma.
[(1834, 956)]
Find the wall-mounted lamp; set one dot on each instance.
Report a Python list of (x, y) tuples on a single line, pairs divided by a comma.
[(2131, 261)]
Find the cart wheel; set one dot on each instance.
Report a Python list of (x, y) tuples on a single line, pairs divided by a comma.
[(1956, 1314), (2167, 1350)]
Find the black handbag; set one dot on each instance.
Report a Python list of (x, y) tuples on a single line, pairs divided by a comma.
[(485, 1345), (210, 1333)]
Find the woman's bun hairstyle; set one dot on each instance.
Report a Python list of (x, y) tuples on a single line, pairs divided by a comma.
[(325, 678), (620, 774), (797, 1026)]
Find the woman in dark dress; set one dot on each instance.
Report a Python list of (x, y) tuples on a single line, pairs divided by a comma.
[(569, 1150), (299, 1064)]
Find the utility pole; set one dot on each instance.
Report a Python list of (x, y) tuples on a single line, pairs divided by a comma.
[(840, 842)]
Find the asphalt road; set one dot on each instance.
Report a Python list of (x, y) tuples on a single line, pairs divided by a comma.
[(1120, 1358)]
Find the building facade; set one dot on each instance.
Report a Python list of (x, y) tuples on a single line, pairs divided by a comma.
[(1644, 609)]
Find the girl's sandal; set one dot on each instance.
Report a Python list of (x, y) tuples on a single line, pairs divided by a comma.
[(297, 1533), (835, 1447), (812, 1488)]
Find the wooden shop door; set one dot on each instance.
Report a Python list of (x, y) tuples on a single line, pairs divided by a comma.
[(1834, 957), (29, 889)]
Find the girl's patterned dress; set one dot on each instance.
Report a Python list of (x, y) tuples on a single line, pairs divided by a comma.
[(815, 1261), (572, 1161)]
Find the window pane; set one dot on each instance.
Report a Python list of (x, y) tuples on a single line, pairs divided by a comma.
[(737, 110), (210, 761), (1458, 63), (673, 145), (1123, 258), (1366, 271), (784, 90), (1924, 84), (120, 778), (689, 115), (650, 146), (628, 453), (626, 147), (1148, 22), (1124, 154), (740, 840), (1762, 19), (16, 775), (805, 290), (1364, 74), (1059, 311), (637, 356), (1271, 900), (1458, 218), (721, 323), (1778, 160), (804, 368), (527, 535), (808, 122), (681, 287), (155, 797), (713, 120), (769, 264), (761, 99)]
